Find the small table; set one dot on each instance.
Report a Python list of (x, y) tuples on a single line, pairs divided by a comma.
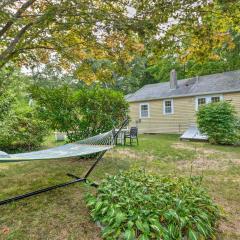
[(121, 135)]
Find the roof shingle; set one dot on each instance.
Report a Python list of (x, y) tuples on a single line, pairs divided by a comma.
[(209, 84)]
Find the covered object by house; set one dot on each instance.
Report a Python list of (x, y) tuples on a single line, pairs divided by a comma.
[(171, 107)]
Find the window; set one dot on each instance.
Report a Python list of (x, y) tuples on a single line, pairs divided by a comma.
[(207, 99), (144, 110), (168, 106), (201, 101), (215, 99)]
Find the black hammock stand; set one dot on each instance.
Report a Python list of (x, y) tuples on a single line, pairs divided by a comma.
[(76, 178)]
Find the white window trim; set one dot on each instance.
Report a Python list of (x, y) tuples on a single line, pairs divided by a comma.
[(140, 112), (164, 112), (208, 99)]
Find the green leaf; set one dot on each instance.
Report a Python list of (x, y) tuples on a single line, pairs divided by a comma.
[(202, 230), (171, 229), (192, 235), (91, 202), (98, 206), (104, 210), (107, 231), (144, 237), (156, 227), (146, 227), (130, 224), (139, 225), (129, 234), (120, 217)]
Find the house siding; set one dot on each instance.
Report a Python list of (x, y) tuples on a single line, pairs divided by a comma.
[(184, 114), (234, 98)]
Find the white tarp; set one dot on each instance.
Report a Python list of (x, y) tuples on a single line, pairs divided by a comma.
[(193, 133)]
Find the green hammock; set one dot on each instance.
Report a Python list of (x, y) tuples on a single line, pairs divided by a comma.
[(89, 146)]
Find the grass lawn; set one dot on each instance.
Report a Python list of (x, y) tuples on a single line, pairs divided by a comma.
[(62, 213)]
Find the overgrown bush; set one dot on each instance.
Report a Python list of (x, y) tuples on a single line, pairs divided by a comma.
[(80, 113), (136, 205), (7, 93), (219, 122), (22, 130)]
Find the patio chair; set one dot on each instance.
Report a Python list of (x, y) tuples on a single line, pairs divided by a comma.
[(132, 135)]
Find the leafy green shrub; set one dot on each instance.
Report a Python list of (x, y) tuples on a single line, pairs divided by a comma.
[(22, 130), (219, 122), (136, 205), (8, 91), (80, 113)]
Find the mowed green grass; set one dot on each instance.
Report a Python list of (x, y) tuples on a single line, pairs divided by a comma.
[(62, 213)]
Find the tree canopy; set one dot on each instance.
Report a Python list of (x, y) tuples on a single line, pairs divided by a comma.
[(99, 40)]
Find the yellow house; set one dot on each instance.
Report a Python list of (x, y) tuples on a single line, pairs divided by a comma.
[(170, 107)]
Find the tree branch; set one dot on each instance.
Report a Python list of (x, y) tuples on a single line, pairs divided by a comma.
[(4, 55), (17, 15)]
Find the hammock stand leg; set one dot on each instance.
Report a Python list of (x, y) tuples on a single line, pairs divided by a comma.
[(76, 180)]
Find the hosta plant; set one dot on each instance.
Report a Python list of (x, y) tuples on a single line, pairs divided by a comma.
[(137, 205)]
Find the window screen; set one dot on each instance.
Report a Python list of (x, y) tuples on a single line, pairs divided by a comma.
[(144, 110), (168, 106)]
